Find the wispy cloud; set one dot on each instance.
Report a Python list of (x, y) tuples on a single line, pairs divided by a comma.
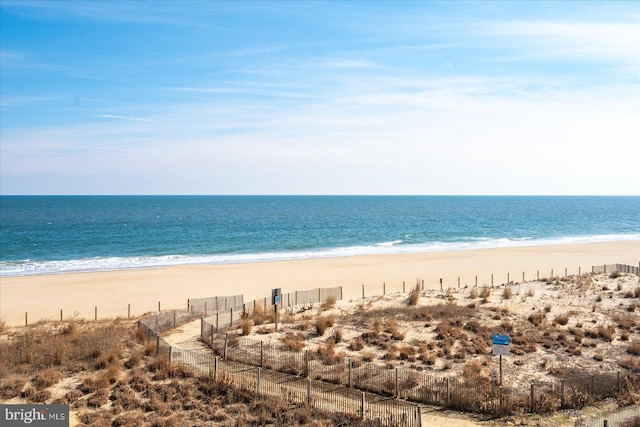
[(129, 118)]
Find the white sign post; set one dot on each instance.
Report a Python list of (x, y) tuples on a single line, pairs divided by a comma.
[(500, 348)]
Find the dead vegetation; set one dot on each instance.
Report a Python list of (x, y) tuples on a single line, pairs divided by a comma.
[(584, 320), (105, 373)]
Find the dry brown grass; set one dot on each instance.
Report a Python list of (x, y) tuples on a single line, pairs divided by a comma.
[(328, 303), (357, 344), (323, 323), (293, 342), (634, 348), (414, 296), (245, 324)]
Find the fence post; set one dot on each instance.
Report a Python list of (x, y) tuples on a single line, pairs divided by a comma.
[(565, 272), (211, 334), (491, 279), (128, 311), (591, 384), (258, 381), (95, 316), (341, 293), (188, 304), (508, 278), (261, 353), (170, 352), (215, 367), (448, 392), (157, 344), (523, 276), (562, 403), (350, 372), (158, 305), (552, 273), (309, 391), (458, 282), (403, 288), (306, 363), (396, 369), (618, 380), (501, 401), (25, 319), (579, 271), (423, 284), (531, 397), (363, 291), (231, 323), (61, 315), (537, 274), (226, 342), (319, 295), (201, 328), (362, 405), (157, 321), (384, 288), (217, 320), (174, 319)]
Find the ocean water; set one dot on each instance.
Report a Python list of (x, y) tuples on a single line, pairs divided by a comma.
[(56, 234)]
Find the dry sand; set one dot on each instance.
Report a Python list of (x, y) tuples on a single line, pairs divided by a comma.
[(42, 297)]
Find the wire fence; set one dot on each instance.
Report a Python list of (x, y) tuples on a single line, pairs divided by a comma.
[(617, 418), (346, 376), (574, 391), (381, 411)]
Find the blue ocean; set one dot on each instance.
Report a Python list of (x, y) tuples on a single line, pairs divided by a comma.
[(58, 234)]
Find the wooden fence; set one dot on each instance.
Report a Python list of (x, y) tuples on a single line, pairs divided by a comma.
[(211, 305), (620, 268), (380, 410), (412, 385)]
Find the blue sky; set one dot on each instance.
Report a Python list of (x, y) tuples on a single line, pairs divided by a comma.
[(126, 97)]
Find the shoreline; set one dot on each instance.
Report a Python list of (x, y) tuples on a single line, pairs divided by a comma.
[(143, 262), (79, 293)]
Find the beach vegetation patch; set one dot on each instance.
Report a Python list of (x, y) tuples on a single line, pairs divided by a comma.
[(414, 296)]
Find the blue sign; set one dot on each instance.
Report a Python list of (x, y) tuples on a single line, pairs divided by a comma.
[(500, 339)]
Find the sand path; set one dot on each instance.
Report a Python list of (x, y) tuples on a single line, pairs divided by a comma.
[(187, 338)]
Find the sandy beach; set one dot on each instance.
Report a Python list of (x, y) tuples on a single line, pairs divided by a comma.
[(115, 292)]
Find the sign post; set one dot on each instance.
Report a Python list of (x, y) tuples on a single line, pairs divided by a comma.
[(276, 298), (500, 347)]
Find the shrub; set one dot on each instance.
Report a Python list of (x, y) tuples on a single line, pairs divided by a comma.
[(46, 378), (634, 348), (293, 342), (328, 303), (614, 274), (414, 296), (507, 293), (562, 319), (368, 356), (322, 324), (246, 324), (537, 318), (337, 335), (408, 352), (357, 344), (485, 293)]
